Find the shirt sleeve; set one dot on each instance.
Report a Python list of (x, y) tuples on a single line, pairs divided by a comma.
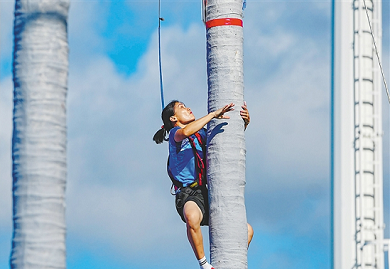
[(172, 134), (172, 141)]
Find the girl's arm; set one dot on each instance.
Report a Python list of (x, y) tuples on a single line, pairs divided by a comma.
[(196, 125)]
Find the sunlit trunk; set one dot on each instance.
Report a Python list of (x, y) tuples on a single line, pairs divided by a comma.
[(226, 141), (40, 72)]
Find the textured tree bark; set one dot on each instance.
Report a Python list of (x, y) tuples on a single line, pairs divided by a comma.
[(40, 73), (226, 141)]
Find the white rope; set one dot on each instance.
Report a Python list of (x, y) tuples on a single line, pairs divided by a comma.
[(376, 51)]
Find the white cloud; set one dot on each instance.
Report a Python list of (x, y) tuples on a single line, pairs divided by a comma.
[(5, 166), (87, 19), (5, 148), (134, 212), (288, 76), (6, 20)]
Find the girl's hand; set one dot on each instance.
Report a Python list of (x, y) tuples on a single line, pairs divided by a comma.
[(219, 114), (245, 114)]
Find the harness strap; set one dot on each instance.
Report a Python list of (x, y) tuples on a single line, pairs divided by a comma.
[(199, 163)]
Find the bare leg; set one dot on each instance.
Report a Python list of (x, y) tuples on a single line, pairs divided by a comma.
[(250, 234), (193, 216)]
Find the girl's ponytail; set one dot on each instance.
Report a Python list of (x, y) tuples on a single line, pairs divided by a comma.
[(166, 114), (159, 136)]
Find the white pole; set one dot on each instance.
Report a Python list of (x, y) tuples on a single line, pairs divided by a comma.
[(226, 141), (39, 134), (357, 173)]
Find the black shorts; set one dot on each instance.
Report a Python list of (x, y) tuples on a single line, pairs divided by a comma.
[(199, 195)]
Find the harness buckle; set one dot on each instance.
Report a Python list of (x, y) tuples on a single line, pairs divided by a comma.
[(193, 185)]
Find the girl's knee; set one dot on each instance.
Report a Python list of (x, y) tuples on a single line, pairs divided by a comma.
[(192, 218), (192, 214), (250, 231)]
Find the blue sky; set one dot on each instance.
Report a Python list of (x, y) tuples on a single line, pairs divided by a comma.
[(119, 210)]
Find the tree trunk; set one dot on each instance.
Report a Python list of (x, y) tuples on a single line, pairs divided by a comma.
[(226, 141), (40, 73)]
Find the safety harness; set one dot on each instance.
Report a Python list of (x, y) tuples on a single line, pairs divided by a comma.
[(200, 167)]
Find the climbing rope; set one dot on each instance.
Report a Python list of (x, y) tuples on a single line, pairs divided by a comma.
[(159, 54), (376, 51)]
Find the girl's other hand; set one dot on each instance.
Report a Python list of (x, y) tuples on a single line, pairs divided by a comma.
[(245, 114)]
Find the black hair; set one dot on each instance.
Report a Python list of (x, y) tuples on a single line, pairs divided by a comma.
[(166, 114)]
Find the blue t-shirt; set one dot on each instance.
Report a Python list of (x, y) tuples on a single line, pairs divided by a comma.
[(182, 159)]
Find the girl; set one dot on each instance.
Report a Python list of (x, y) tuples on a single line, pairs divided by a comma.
[(187, 140)]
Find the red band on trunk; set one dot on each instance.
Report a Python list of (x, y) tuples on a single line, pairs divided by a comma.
[(221, 22)]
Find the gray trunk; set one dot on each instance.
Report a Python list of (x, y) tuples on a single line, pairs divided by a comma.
[(226, 141), (39, 134)]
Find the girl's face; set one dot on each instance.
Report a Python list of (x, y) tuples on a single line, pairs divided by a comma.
[(183, 114)]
